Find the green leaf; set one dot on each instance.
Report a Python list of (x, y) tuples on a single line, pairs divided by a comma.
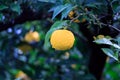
[(1, 17), (94, 5), (103, 41), (13, 71), (55, 26), (115, 5), (57, 10), (33, 55), (110, 53), (42, 60), (116, 46), (16, 8), (2, 7), (107, 42), (66, 11)]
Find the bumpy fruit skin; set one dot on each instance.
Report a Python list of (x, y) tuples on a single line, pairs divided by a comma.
[(62, 39), (32, 36)]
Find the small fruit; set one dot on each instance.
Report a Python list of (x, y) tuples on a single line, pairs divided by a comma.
[(32, 37), (74, 66), (72, 15), (62, 39), (65, 56), (99, 37), (25, 48), (22, 76)]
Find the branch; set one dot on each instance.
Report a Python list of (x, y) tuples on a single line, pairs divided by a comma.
[(111, 27), (110, 10)]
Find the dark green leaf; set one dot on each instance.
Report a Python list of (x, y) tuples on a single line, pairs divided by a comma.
[(66, 11), (2, 7), (50, 1), (59, 9), (16, 8), (91, 5), (1, 17), (33, 55), (42, 60)]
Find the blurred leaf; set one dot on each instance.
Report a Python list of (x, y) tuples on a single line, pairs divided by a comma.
[(76, 54), (110, 53), (55, 26), (1, 16), (115, 4), (118, 9), (41, 60), (50, 1), (2, 7), (94, 5), (15, 8), (13, 71), (33, 55), (118, 40), (91, 5), (29, 69)]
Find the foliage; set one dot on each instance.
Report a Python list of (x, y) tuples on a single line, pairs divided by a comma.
[(38, 60)]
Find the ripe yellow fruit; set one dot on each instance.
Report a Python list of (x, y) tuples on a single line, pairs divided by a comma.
[(62, 39), (32, 36)]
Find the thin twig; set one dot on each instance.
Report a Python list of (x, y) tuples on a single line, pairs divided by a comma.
[(75, 18), (111, 27)]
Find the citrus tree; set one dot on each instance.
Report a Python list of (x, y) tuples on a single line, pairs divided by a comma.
[(59, 39)]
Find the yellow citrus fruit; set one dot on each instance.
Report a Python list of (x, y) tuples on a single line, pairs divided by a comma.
[(32, 36), (25, 48), (62, 39)]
